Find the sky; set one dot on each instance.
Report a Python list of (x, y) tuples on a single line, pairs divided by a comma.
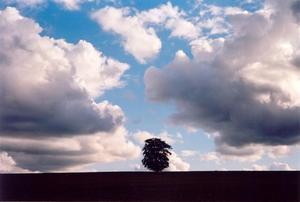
[(83, 83)]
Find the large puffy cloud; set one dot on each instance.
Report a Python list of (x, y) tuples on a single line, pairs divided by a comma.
[(47, 85), (137, 30), (247, 89), (48, 89)]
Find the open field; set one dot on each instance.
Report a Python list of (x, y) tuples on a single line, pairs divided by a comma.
[(148, 186)]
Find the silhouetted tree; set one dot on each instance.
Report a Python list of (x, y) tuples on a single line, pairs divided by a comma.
[(156, 154)]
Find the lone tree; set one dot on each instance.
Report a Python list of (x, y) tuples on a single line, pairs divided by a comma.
[(156, 154)]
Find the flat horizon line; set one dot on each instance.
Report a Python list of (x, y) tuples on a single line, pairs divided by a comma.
[(214, 171)]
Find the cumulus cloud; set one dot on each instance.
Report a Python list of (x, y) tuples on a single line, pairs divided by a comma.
[(247, 90), (177, 164), (172, 18), (8, 165), (275, 166), (280, 166), (249, 153), (47, 85), (138, 40), (137, 31), (48, 90)]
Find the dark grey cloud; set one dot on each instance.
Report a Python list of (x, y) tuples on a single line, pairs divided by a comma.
[(295, 7), (246, 92), (48, 163), (57, 109), (215, 101), (296, 61)]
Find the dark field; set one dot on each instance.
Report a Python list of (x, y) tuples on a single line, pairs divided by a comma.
[(148, 186)]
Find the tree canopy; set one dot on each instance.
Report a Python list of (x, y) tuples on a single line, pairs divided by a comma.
[(156, 153)]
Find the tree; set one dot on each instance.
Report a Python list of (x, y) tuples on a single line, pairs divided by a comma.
[(156, 154)]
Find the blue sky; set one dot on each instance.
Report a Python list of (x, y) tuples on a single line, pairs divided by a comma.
[(198, 74)]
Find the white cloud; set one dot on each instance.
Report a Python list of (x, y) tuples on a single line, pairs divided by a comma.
[(189, 153), (206, 49), (210, 156), (172, 18), (8, 165), (92, 66), (214, 19), (279, 151), (182, 28), (249, 153), (160, 14), (137, 30), (280, 166), (277, 166), (50, 118), (177, 164), (71, 4), (257, 167), (234, 11), (138, 40), (141, 136)]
